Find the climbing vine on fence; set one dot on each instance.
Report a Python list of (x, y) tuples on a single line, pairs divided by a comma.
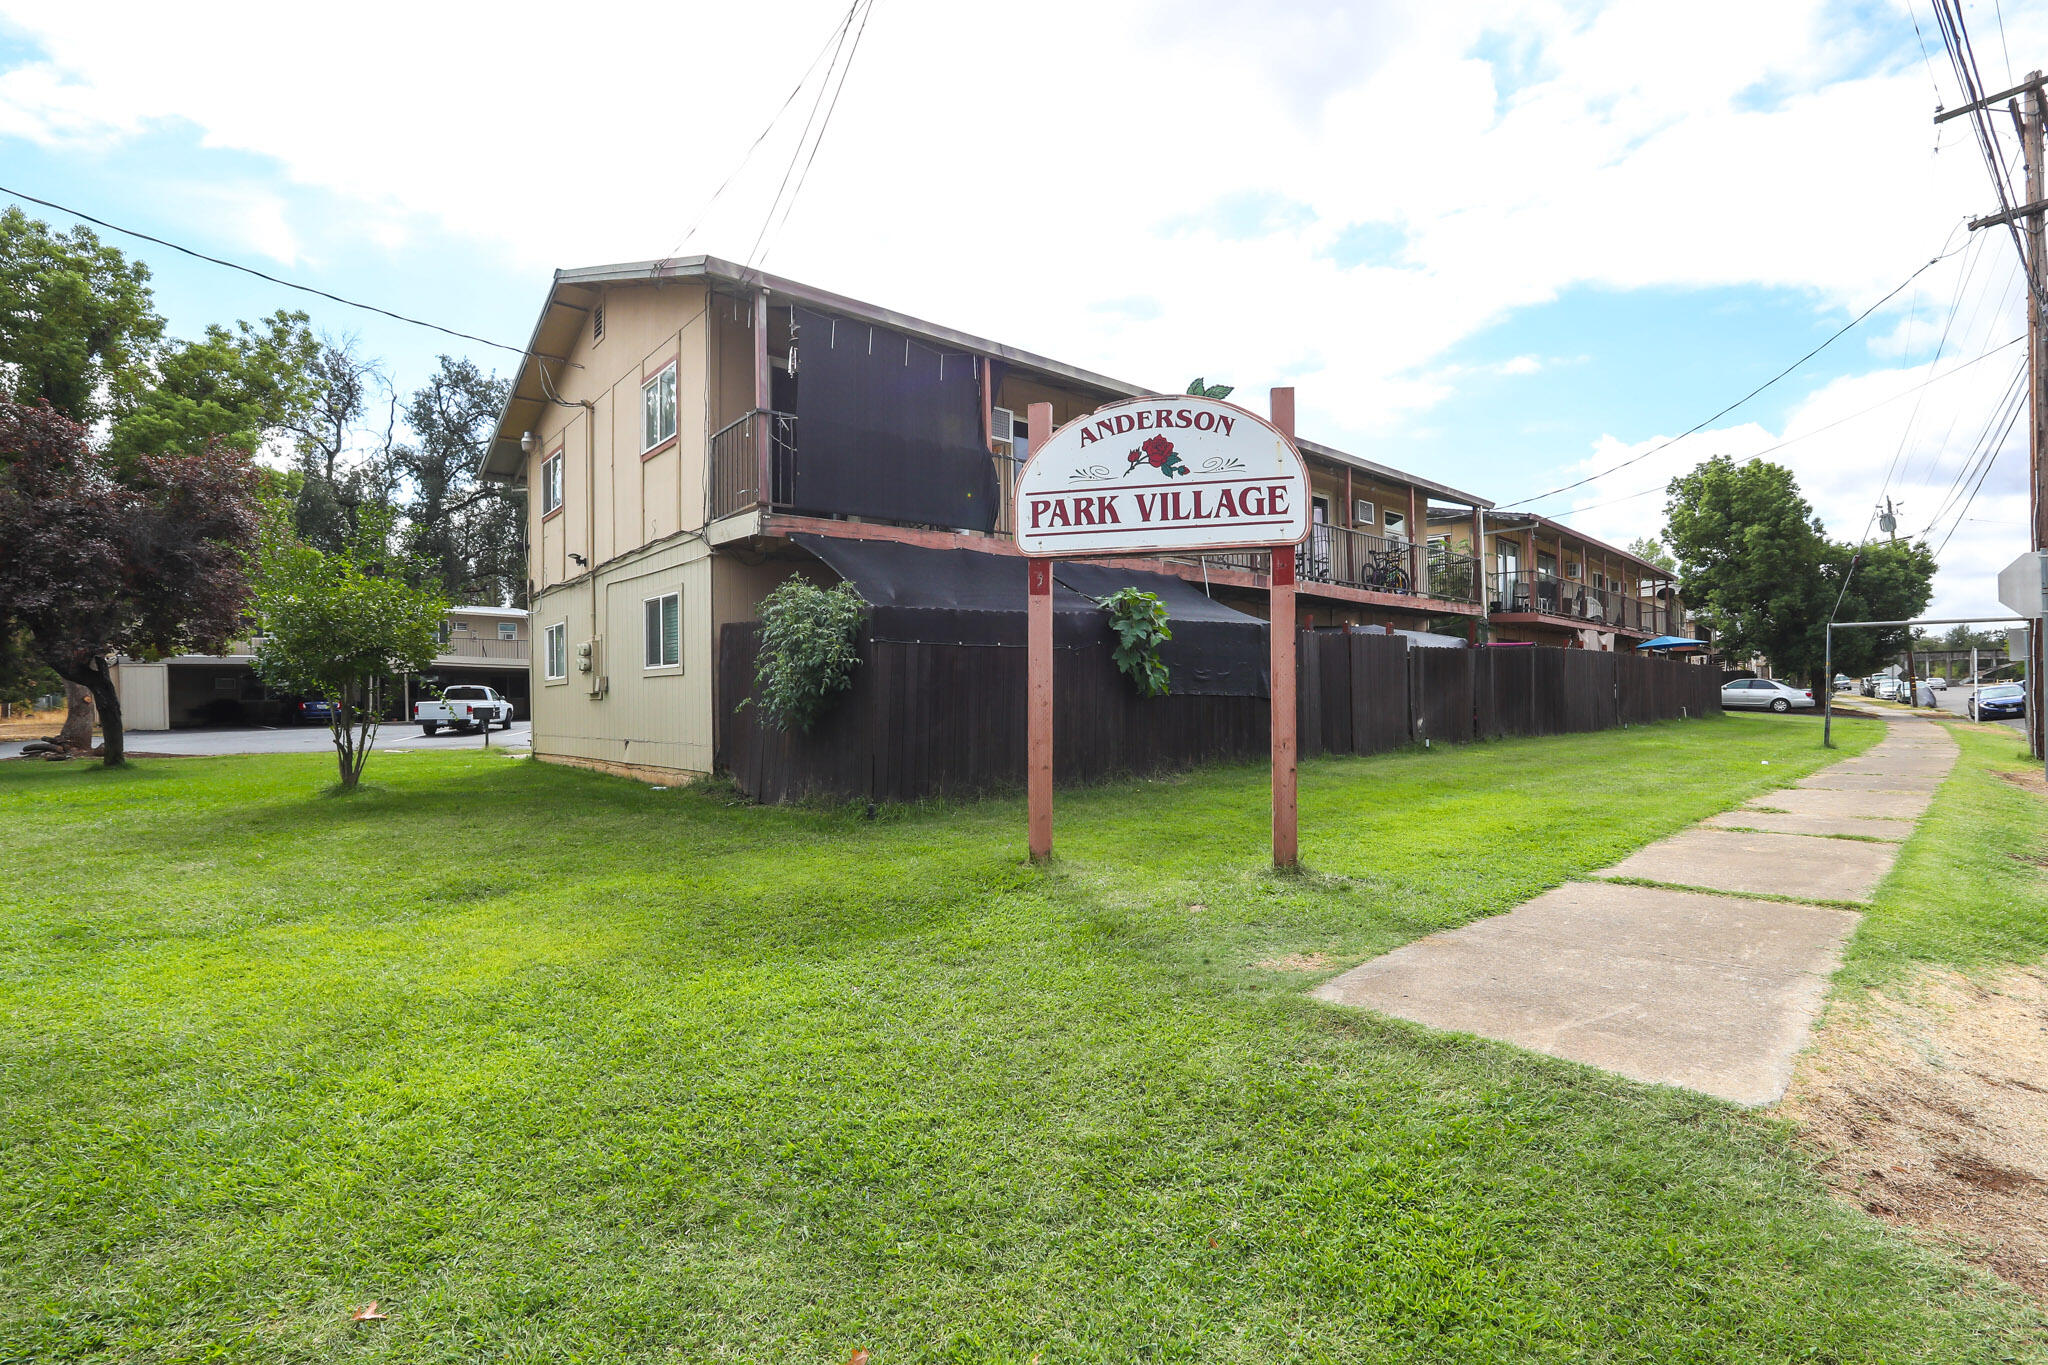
[(808, 651), (1139, 620)]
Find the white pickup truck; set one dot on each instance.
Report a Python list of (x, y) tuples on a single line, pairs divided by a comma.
[(463, 709)]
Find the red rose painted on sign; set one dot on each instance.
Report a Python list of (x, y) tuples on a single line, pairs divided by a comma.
[(1157, 452)]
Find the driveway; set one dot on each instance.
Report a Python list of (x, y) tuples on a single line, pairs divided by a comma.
[(301, 739)]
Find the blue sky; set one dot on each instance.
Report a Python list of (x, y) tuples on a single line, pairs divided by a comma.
[(1508, 246)]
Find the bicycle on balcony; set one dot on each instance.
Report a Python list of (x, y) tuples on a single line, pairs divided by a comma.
[(1386, 571)]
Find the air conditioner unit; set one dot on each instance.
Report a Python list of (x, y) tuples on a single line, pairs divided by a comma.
[(1362, 512), (1002, 424)]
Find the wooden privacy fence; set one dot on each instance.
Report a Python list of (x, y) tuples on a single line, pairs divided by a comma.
[(948, 720)]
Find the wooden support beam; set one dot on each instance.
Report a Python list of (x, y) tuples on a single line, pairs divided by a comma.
[(1281, 645)]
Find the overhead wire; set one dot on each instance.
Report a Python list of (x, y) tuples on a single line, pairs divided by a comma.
[(1705, 422), (827, 46), (259, 274), (852, 52)]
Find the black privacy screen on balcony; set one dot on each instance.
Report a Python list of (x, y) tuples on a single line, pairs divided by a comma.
[(918, 595), (887, 427)]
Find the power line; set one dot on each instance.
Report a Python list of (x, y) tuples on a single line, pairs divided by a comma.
[(796, 152), (829, 45), (1709, 421), (261, 275), (819, 141), (1839, 421)]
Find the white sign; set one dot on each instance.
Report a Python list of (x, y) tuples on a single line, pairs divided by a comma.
[(1162, 474), (2021, 586)]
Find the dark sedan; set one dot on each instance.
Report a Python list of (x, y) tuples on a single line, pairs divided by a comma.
[(2007, 701), (315, 711)]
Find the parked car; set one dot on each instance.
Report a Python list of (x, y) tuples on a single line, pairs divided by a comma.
[(1937, 682), (314, 711), (1889, 689), (1766, 694), (1869, 688), (2003, 702), (463, 709), (1844, 683)]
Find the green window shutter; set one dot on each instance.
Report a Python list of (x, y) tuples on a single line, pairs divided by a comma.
[(672, 629)]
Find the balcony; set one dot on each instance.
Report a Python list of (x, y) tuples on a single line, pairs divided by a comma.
[(736, 463), (483, 649), (1534, 593), (1358, 559)]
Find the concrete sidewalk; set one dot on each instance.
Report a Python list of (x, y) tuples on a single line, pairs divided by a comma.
[(1693, 982)]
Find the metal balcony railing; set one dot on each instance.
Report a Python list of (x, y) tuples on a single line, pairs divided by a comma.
[(735, 464), (1527, 590), (471, 647)]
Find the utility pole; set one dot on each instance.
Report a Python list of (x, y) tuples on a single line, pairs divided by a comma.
[(2026, 104)]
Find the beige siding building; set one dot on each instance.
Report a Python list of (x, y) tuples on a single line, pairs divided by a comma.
[(691, 434)]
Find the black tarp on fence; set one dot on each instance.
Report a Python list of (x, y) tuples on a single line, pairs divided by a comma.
[(933, 720)]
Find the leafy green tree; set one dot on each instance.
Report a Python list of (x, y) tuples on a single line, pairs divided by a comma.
[(469, 534), (93, 566), (77, 321), (341, 624), (1651, 549), (1756, 563), (236, 388), (341, 452)]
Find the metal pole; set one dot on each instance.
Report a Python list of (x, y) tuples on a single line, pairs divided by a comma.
[(1827, 705)]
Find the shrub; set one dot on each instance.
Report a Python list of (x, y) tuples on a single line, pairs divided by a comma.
[(807, 651), (1139, 620)]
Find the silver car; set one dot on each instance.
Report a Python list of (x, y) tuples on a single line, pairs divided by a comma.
[(1765, 694)]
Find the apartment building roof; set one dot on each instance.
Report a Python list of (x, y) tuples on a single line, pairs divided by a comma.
[(562, 317)]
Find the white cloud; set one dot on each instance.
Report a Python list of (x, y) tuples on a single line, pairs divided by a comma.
[(1889, 430), (1018, 179)]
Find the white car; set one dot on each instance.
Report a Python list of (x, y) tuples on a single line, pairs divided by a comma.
[(1937, 682), (1889, 689), (1765, 694), (463, 709)]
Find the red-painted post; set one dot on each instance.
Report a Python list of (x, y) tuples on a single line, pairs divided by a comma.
[(1038, 671), (1281, 642)]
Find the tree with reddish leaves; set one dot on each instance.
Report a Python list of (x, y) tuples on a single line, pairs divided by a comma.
[(146, 560)]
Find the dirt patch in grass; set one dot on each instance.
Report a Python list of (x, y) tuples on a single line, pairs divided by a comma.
[(1931, 1112), (1295, 962), (2026, 779)]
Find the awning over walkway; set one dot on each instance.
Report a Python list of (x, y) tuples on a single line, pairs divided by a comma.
[(958, 596), (1664, 642)]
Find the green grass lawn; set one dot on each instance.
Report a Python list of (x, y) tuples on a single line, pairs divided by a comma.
[(556, 1067), (1969, 891)]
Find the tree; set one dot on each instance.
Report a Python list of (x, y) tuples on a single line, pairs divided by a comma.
[(235, 388), (346, 466), (471, 535), (77, 321), (338, 625), (93, 565), (1651, 549), (1756, 563)]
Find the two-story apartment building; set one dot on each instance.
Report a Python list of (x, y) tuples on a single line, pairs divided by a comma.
[(691, 434), (1548, 584)]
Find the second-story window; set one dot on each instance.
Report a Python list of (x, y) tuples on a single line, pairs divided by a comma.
[(658, 408), (551, 483)]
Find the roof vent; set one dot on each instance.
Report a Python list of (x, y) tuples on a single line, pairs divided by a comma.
[(597, 324)]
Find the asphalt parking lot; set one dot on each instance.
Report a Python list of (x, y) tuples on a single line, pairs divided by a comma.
[(300, 739)]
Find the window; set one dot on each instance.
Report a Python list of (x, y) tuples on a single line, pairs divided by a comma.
[(658, 408), (1396, 524), (664, 631), (551, 483), (508, 630), (1361, 512), (558, 650)]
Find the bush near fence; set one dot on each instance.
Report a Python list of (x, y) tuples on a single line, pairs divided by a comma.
[(926, 720), (949, 719)]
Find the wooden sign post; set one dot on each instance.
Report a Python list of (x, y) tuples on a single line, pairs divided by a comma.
[(1165, 475)]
